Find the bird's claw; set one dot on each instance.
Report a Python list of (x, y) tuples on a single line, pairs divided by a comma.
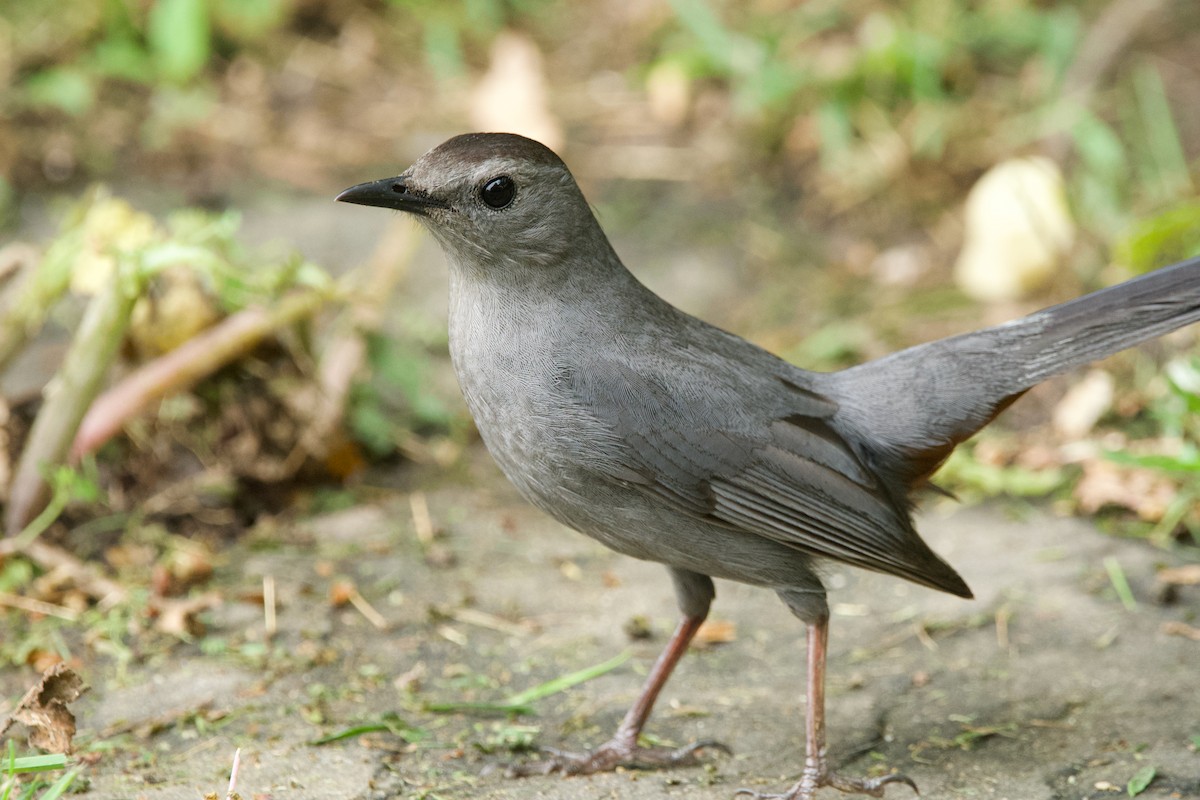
[(811, 781), (613, 755)]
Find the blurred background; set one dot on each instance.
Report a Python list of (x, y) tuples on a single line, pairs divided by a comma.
[(834, 179), (223, 394)]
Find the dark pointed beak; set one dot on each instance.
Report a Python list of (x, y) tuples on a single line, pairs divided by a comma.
[(391, 193)]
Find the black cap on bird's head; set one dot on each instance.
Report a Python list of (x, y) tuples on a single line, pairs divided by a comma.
[(474, 161)]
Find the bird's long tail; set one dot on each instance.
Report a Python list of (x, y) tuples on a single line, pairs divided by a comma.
[(1097, 325), (914, 406)]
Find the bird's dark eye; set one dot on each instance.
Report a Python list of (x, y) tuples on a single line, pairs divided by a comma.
[(499, 192)]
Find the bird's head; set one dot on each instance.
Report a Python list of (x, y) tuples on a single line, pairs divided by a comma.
[(489, 199)]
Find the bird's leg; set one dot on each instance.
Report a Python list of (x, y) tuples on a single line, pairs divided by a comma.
[(695, 593), (816, 766), (622, 750)]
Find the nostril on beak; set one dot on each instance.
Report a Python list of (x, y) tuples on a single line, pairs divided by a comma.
[(399, 188)]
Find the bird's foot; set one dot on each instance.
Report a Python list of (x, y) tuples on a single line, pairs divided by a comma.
[(614, 754), (815, 778)]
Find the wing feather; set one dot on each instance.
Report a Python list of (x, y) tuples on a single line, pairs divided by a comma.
[(790, 477)]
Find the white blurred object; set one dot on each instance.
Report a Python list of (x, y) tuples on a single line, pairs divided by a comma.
[(1184, 373), (1018, 227), (511, 96), (1083, 405), (902, 265), (669, 92)]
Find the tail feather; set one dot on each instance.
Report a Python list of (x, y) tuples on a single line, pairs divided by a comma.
[(913, 407), (1097, 325)]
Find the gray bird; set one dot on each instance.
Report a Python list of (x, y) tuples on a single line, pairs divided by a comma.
[(670, 440)]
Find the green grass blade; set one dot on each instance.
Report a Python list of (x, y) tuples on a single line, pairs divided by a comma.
[(1116, 575), (38, 763), (351, 733), (1167, 164), (567, 681), (519, 704), (484, 709), (390, 723), (60, 786)]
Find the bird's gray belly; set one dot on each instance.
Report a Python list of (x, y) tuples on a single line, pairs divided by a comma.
[(544, 462)]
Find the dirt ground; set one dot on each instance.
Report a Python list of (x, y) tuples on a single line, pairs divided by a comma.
[(1044, 687)]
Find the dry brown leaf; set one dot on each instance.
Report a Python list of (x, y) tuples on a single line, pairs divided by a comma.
[(715, 631), (128, 555), (43, 660), (1186, 575), (1146, 493), (1039, 455), (340, 592), (178, 617), (344, 458), (995, 452), (187, 566), (44, 710), (1175, 628)]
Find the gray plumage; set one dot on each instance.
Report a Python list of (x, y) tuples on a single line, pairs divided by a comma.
[(668, 439), (671, 440)]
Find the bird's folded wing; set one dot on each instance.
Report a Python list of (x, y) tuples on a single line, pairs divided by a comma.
[(792, 479)]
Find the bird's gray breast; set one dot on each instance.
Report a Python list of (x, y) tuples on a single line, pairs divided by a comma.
[(511, 364), (520, 376)]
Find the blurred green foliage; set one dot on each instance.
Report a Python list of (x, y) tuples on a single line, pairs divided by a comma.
[(899, 81), (170, 44), (1132, 163), (876, 87), (861, 69), (972, 480), (66, 51), (395, 399), (108, 631), (1176, 418), (1172, 234), (1166, 441), (99, 228), (446, 28)]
